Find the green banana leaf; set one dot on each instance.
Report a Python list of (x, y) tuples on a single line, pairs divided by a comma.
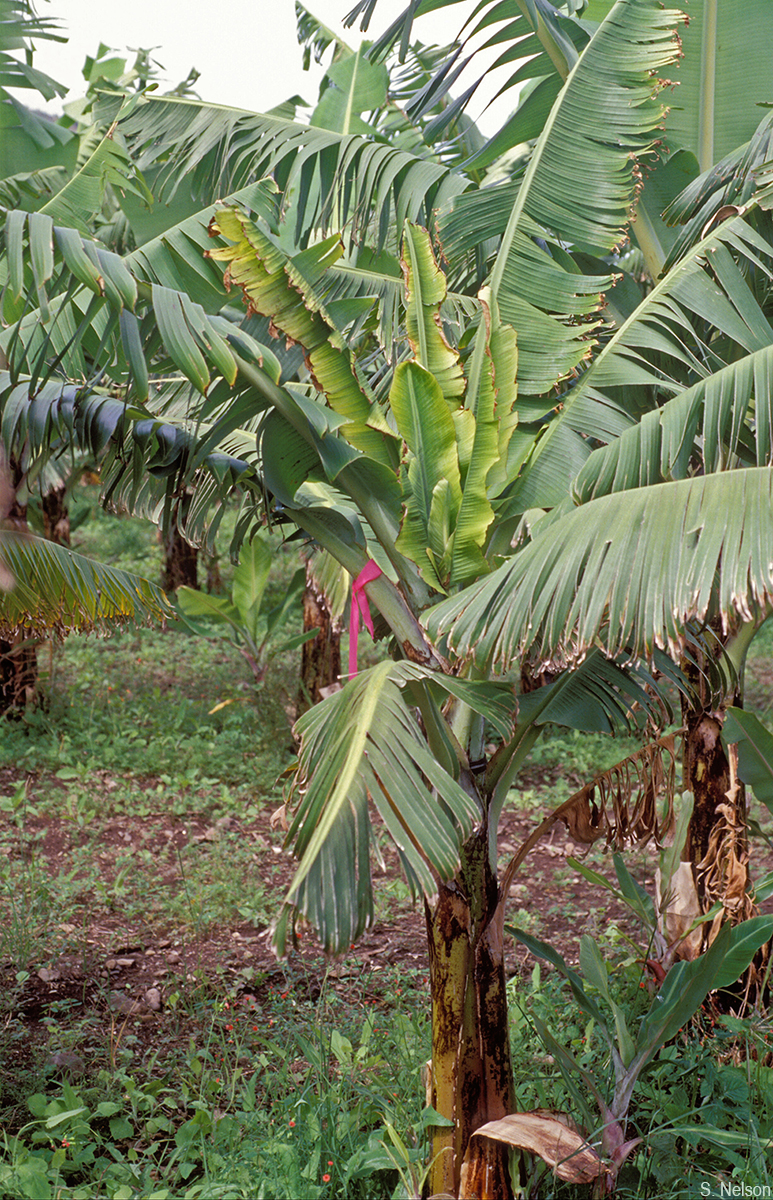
[(716, 104), (355, 86), (628, 570), (365, 740), (755, 752)]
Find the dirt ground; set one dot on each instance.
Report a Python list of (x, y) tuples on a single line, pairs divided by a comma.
[(124, 967), (114, 952)]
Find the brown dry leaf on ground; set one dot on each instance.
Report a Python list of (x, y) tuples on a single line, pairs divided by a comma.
[(546, 1135)]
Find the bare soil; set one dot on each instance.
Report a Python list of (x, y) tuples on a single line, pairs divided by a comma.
[(120, 967)]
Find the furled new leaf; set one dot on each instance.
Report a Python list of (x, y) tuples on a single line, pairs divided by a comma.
[(490, 400)]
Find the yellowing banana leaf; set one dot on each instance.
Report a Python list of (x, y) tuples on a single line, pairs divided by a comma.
[(490, 400), (56, 592), (282, 289), (425, 422), (425, 292)]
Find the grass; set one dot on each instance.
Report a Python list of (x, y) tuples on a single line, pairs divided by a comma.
[(141, 704), (134, 811), (290, 1101)]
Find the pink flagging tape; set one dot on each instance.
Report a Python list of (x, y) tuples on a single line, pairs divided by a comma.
[(360, 608)]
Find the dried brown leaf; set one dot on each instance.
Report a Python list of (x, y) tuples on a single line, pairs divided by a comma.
[(619, 804), (545, 1135), (278, 819), (723, 871)]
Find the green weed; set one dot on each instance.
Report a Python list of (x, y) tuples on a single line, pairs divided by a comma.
[(703, 1108), (282, 1105)]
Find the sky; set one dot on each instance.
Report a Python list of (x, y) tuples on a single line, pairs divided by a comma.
[(245, 50)]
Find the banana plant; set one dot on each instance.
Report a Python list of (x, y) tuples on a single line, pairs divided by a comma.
[(675, 999), (47, 592), (453, 436), (50, 591), (439, 472), (410, 495), (240, 617)]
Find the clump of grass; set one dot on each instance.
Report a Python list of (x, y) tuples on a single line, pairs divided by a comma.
[(141, 703)]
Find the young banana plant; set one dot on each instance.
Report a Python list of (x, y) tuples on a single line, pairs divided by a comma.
[(241, 617), (404, 491)]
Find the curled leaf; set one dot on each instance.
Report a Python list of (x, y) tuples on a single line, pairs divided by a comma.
[(543, 1134)]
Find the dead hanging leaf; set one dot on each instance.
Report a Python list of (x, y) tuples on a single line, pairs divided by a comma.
[(278, 819), (723, 872), (727, 210), (566, 1152), (682, 910), (619, 804), (426, 1079), (720, 881)]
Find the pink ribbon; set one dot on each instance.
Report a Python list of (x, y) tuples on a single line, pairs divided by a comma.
[(360, 608)]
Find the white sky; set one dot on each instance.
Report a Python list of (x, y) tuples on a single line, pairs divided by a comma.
[(246, 50)]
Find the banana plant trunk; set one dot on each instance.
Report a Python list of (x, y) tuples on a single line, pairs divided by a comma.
[(717, 845), (56, 516), (181, 559), (321, 655), (18, 674), (708, 775), (18, 652), (471, 1079), (715, 855)]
